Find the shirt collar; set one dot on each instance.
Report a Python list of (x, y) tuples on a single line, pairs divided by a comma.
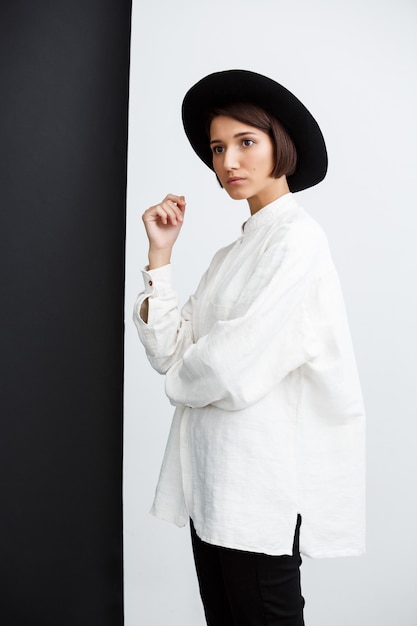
[(272, 212)]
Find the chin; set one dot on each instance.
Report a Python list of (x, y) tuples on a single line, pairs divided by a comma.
[(237, 194)]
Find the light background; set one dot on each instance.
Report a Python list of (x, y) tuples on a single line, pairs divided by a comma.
[(354, 66)]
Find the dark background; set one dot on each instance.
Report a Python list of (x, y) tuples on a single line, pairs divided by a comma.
[(63, 137)]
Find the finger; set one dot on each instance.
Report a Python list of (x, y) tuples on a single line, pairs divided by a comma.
[(174, 207), (173, 210), (154, 214), (159, 211), (182, 203), (174, 198), (167, 214), (178, 200), (160, 214)]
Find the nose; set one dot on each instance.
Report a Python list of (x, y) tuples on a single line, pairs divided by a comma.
[(231, 161)]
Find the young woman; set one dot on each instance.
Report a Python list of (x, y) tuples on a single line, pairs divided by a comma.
[(266, 450)]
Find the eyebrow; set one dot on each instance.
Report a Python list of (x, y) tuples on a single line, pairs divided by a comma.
[(247, 132)]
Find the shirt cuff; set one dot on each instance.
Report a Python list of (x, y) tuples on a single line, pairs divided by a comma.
[(157, 281)]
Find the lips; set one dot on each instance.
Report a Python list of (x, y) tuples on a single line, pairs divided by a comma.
[(235, 180)]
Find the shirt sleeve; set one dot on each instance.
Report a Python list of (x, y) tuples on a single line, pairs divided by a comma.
[(241, 359), (168, 331)]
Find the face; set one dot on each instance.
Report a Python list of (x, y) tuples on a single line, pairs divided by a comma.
[(243, 159)]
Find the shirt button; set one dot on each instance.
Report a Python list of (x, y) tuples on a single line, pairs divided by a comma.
[(150, 283)]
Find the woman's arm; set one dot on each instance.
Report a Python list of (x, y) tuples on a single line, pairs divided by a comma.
[(162, 330), (163, 223)]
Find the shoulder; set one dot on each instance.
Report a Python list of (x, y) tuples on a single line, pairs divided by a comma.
[(301, 227), (301, 236), (297, 246)]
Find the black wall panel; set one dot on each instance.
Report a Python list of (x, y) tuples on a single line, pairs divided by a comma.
[(63, 134)]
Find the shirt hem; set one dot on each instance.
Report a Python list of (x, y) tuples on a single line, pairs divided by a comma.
[(166, 516), (332, 554), (322, 553), (285, 550)]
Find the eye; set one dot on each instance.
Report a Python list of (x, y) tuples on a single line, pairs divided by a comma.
[(218, 149), (247, 143)]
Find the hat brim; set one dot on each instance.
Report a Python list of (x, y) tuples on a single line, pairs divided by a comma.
[(221, 88)]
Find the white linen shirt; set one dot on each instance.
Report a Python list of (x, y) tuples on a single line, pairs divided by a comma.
[(269, 418)]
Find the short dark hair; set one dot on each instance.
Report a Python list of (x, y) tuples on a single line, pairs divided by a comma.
[(248, 113)]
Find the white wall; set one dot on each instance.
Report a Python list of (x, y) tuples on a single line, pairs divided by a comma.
[(353, 65)]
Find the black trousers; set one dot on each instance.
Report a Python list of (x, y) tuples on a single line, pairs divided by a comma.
[(241, 588)]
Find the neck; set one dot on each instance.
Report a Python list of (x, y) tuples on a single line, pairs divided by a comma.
[(277, 188)]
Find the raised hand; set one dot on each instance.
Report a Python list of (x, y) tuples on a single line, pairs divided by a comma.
[(163, 223)]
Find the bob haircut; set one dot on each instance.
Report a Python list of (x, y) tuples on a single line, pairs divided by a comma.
[(285, 154)]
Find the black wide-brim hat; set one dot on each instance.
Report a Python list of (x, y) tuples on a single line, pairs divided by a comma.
[(221, 88)]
